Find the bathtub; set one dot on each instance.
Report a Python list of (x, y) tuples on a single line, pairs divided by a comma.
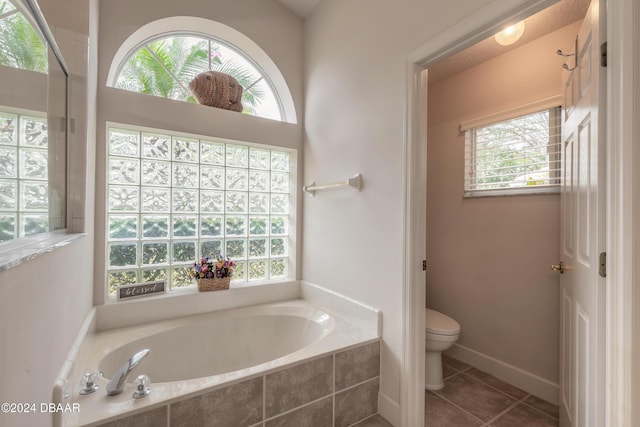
[(231, 340), (200, 355)]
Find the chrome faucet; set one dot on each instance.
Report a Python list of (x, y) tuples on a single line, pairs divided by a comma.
[(116, 385)]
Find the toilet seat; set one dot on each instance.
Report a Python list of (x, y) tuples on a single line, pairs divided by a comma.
[(439, 324)]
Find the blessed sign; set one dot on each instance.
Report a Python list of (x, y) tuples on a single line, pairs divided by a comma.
[(141, 289)]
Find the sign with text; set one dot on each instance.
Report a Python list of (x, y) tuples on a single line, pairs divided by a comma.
[(141, 289)]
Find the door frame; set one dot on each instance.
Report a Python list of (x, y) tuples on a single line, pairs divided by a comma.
[(623, 206)]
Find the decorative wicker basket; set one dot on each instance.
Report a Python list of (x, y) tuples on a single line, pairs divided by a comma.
[(216, 284)]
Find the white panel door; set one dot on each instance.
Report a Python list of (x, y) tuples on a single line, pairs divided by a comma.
[(583, 223)]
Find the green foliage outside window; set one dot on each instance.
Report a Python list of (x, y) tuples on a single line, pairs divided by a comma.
[(164, 67), (20, 44)]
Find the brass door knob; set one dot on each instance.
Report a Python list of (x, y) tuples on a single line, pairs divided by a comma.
[(558, 267)]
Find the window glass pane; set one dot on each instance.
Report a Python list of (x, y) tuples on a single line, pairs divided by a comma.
[(173, 200), (257, 248), (154, 275), (156, 146), (279, 267), (155, 253), (124, 143), (155, 226), (166, 66), (180, 277), (24, 173), (6, 6), (118, 278), (8, 128), (20, 44), (123, 227), (257, 270), (519, 153)]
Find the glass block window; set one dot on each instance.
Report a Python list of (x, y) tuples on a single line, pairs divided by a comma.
[(515, 156), (24, 190), (173, 199)]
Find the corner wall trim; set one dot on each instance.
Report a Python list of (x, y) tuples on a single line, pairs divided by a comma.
[(531, 383), (388, 409)]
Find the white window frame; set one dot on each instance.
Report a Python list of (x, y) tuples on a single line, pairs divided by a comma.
[(291, 215), (190, 25), (468, 127)]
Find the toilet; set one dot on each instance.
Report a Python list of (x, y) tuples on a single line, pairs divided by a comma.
[(440, 332)]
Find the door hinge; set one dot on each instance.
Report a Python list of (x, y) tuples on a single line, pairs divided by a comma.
[(603, 264), (603, 54), (424, 265)]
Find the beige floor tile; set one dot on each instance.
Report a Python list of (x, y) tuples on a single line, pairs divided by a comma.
[(543, 405), (454, 363), (524, 415), (440, 413), (475, 397), (495, 382)]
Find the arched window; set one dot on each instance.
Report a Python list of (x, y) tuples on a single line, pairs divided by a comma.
[(162, 58), (21, 46)]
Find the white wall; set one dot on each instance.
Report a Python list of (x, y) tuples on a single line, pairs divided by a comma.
[(269, 24), (354, 120), (489, 258), (43, 302), (42, 306)]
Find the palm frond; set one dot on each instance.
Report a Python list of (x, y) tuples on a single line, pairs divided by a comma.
[(21, 45), (175, 61), (252, 94)]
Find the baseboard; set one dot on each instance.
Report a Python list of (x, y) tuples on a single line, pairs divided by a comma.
[(531, 383), (388, 409)]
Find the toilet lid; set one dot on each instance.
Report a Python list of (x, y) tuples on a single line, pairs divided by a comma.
[(438, 323)]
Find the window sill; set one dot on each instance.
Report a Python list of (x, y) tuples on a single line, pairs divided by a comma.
[(188, 301), (20, 251), (529, 191)]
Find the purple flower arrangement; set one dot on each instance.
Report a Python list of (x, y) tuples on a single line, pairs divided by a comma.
[(210, 268)]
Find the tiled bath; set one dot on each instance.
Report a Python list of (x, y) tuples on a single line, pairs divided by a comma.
[(339, 389)]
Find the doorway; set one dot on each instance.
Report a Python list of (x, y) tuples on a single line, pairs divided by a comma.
[(493, 216), (475, 28)]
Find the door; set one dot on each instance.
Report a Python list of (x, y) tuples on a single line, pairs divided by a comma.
[(582, 299)]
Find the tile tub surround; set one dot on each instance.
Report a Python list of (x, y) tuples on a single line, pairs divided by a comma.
[(97, 407), (471, 397), (317, 393)]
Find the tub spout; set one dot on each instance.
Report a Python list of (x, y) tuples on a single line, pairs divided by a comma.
[(116, 385)]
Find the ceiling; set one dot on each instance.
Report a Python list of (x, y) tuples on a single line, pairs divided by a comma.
[(302, 8), (559, 15), (553, 18)]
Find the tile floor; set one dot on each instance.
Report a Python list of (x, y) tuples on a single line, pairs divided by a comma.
[(373, 421), (474, 398)]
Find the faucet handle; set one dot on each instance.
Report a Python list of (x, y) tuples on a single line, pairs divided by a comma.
[(89, 383), (141, 385)]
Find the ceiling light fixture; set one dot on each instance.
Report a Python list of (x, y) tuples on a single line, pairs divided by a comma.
[(511, 34)]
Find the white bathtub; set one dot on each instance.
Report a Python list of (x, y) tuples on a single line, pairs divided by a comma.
[(216, 343), (196, 354)]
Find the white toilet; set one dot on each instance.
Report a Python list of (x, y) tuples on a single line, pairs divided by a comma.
[(440, 332)]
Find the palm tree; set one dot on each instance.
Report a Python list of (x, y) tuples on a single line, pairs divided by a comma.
[(20, 44), (165, 67)]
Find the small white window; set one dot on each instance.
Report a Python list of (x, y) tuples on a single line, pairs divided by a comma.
[(520, 155)]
